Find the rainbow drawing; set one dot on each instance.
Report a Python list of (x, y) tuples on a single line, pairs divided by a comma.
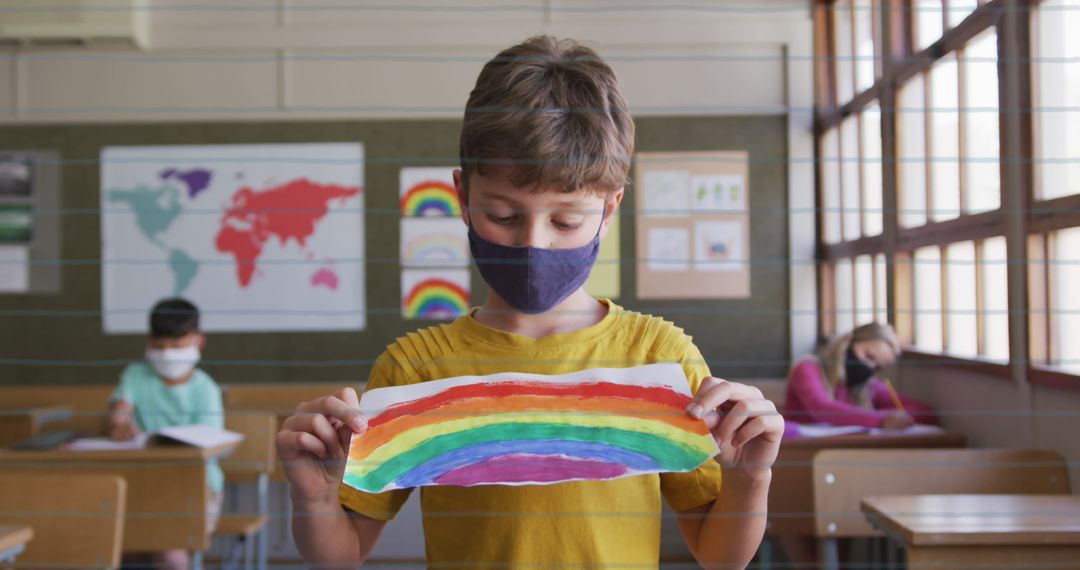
[(441, 294), (428, 197), (522, 429), (434, 242)]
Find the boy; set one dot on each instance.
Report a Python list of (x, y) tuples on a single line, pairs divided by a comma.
[(546, 146), (168, 390)]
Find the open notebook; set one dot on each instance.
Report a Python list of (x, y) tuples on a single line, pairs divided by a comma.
[(194, 435), (794, 429)]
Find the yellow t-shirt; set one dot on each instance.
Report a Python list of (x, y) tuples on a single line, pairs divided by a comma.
[(581, 524)]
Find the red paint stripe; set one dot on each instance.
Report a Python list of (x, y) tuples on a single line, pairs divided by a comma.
[(654, 394)]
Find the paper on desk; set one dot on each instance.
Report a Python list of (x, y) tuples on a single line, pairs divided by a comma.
[(194, 435)]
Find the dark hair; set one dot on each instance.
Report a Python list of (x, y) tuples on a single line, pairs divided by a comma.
[(174, 318), (552, 111)]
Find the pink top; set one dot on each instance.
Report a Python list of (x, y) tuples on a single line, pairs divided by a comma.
[(808, 401)]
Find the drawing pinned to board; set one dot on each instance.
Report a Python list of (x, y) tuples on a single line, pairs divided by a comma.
[(528, 429), (14, 269), (441, 294), (714, 232), (428, 192), (434, 242), (723, 193), (668, 249), (16, 224), (666, 192), (16, 175), (718, 246)]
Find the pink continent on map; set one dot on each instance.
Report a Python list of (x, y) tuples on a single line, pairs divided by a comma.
[(325, 277)]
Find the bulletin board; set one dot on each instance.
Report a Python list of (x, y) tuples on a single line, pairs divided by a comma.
[(693, 225)]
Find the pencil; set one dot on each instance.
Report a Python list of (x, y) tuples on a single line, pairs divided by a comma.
[(895, 397)]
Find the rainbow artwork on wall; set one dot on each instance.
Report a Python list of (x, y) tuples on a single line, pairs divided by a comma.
[(428, 192), (528, 429), (434, 294), (434, 242)]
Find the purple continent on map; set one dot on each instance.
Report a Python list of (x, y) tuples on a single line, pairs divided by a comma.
[(196, 179)]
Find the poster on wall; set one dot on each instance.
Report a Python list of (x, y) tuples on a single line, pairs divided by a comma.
[(261, 237), (434, 246), (693, 225)]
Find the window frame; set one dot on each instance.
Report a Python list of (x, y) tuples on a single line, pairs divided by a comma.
[(1021, 219)]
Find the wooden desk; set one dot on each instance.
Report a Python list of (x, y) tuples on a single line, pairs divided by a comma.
[(166, 489), (13, 539), (19, 424), (965, 531), (791, 493)]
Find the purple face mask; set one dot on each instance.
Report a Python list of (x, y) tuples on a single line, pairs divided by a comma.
[(532, 279)]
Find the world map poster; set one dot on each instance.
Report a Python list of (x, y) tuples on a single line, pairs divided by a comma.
[(261, 237)]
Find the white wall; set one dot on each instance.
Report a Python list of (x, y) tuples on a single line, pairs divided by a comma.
[(997, 412), (258, 59)]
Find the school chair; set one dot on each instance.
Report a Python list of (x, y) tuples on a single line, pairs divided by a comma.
[(844, 477), (251, 462), (77, 518)]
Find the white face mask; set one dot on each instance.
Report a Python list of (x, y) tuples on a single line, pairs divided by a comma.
[(173, 363)]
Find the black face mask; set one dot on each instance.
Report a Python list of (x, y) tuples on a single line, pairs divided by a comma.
[(856, 372)]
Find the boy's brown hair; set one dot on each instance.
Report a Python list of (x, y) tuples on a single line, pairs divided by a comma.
[(552, 111)]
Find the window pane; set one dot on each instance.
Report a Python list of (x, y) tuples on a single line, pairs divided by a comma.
[(944, 139), (960, 9), (927, 289), (981, 139), (1058, 92), (849, 176), (963, 323), (927, 20), (995, 299), (880, 290), (844, 308), (1065, 310), (911, 172), (843, 51), (864, 290), (864, 44), (830, 181), (871, 170)]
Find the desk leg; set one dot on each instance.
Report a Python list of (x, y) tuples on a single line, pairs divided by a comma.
[(830, 553), (765, 555), (264, 509)]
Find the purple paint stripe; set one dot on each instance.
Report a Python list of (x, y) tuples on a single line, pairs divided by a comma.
[(525, 468)]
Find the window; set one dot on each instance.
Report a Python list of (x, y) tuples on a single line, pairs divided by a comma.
[(947, 256), (1064, 302), (1057, 90)]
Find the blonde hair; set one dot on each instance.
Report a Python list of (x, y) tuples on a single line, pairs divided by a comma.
[(832, 356)]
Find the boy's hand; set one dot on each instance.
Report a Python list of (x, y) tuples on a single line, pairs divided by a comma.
[(314, 443), (122, 425), (746, 426)]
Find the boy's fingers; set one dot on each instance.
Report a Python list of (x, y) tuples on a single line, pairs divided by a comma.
[(303, 441), (335, 407), (348, 395)]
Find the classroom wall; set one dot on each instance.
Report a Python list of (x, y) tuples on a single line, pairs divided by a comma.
[(58, 339), (280, 59), (997, 412)]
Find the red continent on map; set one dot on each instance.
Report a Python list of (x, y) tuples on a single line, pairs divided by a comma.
[(289, 211)]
